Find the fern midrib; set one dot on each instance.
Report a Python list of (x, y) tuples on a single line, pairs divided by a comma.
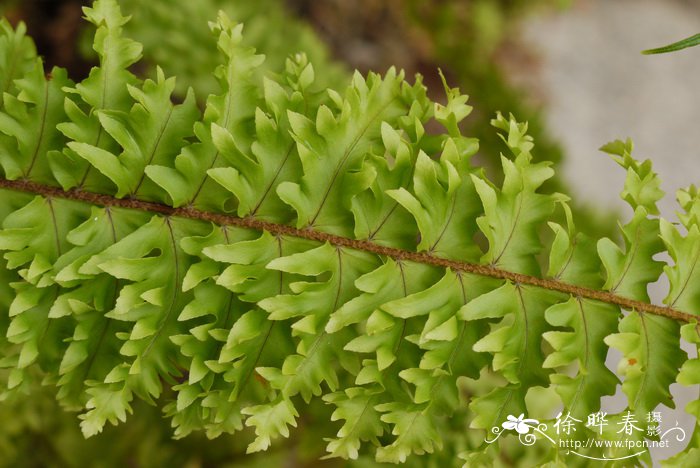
[(11, 70), (89, 168), (103, 100), (584, 372), (153, 152), (370, 401), (108, 321), (645, 375), (448, 363), (463, 327), (687, 279), (511, 388), (340, 241), (249, 372), (526, 334), (271, 184), (374, 233), (512, 231), (176, 290), (229, 302), (321, 337), (42, 132), (346, 156), (98, 345), (439, 379), (499, 417), (228, 102), (630, 258), (568, 260), (54, 224), (395, 205), (57, 290), (268, 332), (433, 248), (269, 187)]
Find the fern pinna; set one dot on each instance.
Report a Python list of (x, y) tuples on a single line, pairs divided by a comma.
[(293, 245)]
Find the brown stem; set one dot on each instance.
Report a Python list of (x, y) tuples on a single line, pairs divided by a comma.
[(339, 241)]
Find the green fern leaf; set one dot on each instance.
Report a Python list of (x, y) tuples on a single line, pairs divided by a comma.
[(290, 247), (233, 110), (152, 132), (650, 345), (17, 55), (104, 89)]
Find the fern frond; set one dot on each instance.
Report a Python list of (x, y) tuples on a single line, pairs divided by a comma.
[(287, 247), (17, 55), (104, 89), (153, 131), (650, 345), (233, 110), (29, 120)]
